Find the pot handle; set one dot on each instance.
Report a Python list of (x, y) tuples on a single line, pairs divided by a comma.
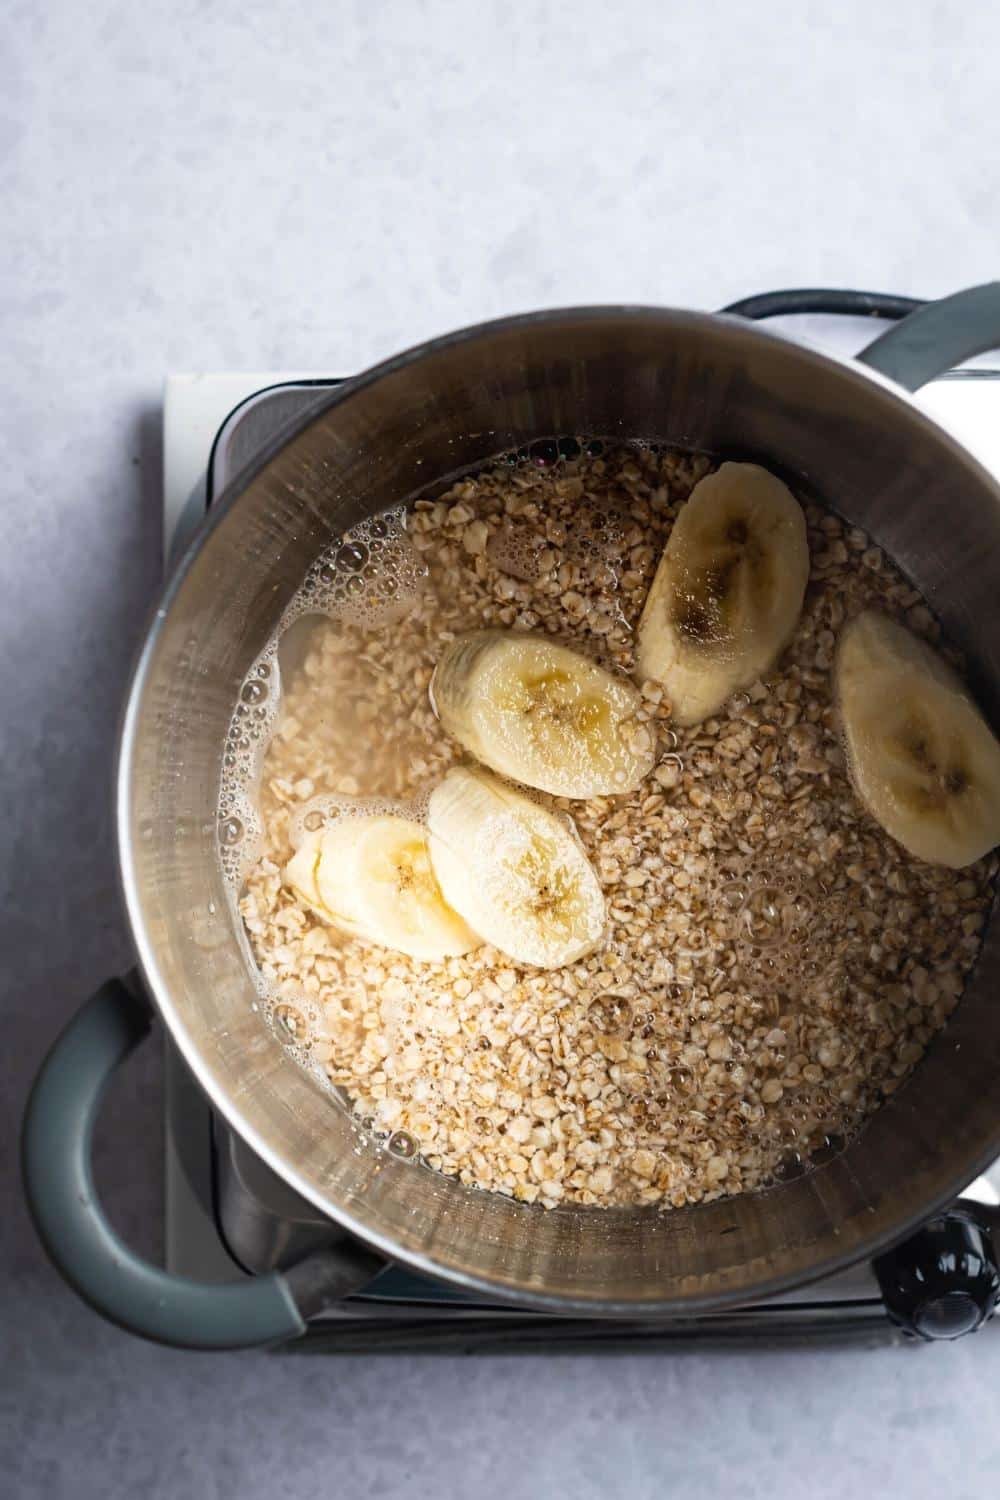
[(937, 336), (140, 1297)]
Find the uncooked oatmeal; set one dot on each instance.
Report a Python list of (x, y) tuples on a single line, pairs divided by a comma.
[(774, 962)]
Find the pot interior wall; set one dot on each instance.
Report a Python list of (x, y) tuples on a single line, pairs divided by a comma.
[(696, 381)]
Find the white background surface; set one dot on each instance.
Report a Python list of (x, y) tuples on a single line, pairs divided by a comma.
[(275, 184)]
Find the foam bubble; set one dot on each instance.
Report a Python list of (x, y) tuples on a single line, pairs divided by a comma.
[(240, 830), (778, 946), (241, 834), (371, 576), (329, 808), (517, 552)]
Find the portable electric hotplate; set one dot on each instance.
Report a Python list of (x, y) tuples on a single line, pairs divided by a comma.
[(228, 1215)]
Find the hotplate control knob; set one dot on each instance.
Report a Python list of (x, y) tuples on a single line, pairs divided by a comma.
[(943, 1281)]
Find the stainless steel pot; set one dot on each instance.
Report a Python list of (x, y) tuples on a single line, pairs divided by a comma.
[(848, 431)]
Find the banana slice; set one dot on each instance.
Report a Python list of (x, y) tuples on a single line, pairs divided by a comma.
[(514, 871), (728, 591), (372, 878), (542, 714), (922, 758)]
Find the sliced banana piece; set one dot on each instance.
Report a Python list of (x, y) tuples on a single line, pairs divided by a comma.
[(728, 592), (300, 873), (516, 872), (372, 878), (541, 714), (923, 760)]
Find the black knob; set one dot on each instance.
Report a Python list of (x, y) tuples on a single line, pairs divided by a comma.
[(943, 1281)]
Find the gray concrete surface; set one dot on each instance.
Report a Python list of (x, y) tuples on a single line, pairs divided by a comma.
[(260, 183)]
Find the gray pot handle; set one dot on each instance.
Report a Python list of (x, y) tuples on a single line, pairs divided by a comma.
[(937, 336), (56, 1141)]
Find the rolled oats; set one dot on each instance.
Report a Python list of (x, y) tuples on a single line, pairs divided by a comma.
[(684, 1060)]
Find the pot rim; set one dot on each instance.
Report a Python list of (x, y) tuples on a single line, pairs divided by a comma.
[(677, 1305)]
